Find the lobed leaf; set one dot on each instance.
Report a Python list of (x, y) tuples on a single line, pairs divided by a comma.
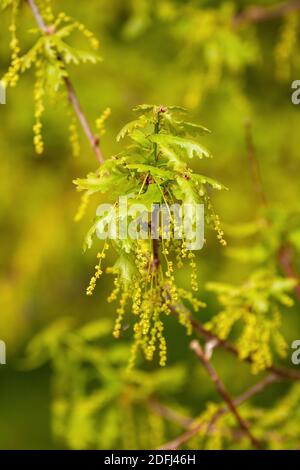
[(191, 148)]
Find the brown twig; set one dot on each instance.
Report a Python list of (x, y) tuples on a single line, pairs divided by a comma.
[(256, 14), (170, 414), (93, 139), (285, 257), (155, 253), (200, 329), (223, 392), (247, 395), (208, 335), (155, 242)]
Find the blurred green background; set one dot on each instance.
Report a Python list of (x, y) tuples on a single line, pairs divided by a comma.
[(164, 52)]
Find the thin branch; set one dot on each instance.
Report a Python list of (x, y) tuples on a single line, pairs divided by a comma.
[(257, 388), (38, 17), (256, 14), (247, 395), (285, 257), (155, 253), (223, 392), (170, 414), (200, 329), (208, 335), (93, 139)]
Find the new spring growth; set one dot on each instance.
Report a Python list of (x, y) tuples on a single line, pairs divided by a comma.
[(50, 56), (100, 122), (152, 171), (98, 270)]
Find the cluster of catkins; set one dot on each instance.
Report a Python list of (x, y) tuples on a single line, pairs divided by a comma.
[(151, 294)]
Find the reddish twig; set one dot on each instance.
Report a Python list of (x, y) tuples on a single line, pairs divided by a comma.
[(170, 414), (155, 253), (208, 335), (200, 329), (256, 14), (247, 395), (223, 392), (285, 257), (93, 139)]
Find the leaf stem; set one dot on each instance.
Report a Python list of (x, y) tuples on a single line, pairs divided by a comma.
[(155, 243)]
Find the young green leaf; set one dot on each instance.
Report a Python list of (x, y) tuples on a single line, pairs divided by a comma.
[(191, 148)]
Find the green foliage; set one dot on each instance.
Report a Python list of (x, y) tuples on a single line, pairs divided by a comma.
[(49, 56), (151, 170), (276, 427), (256, 306), (279, 425), (211, 44), (97, 404), (263, 238), (198, 56)]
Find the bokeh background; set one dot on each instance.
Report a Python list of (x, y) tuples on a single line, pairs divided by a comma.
[(164, 52)]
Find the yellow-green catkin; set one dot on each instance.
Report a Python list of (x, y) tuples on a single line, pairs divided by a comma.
[(155, 295), (194, 275), (183, 313), (74, 137), (94, 42), (63, 18), (137, 342), (100, 122), (117, 287), (45, 8), (187, 295), (82, 207), (162, 345), (13, 74), (184, 251), (120, 314), (151, 346), (39, 92), (179, 262), (218, 229), (98, 271), (216, 223), (136, 302), (141, 258), (184, 319), (254, 342)]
